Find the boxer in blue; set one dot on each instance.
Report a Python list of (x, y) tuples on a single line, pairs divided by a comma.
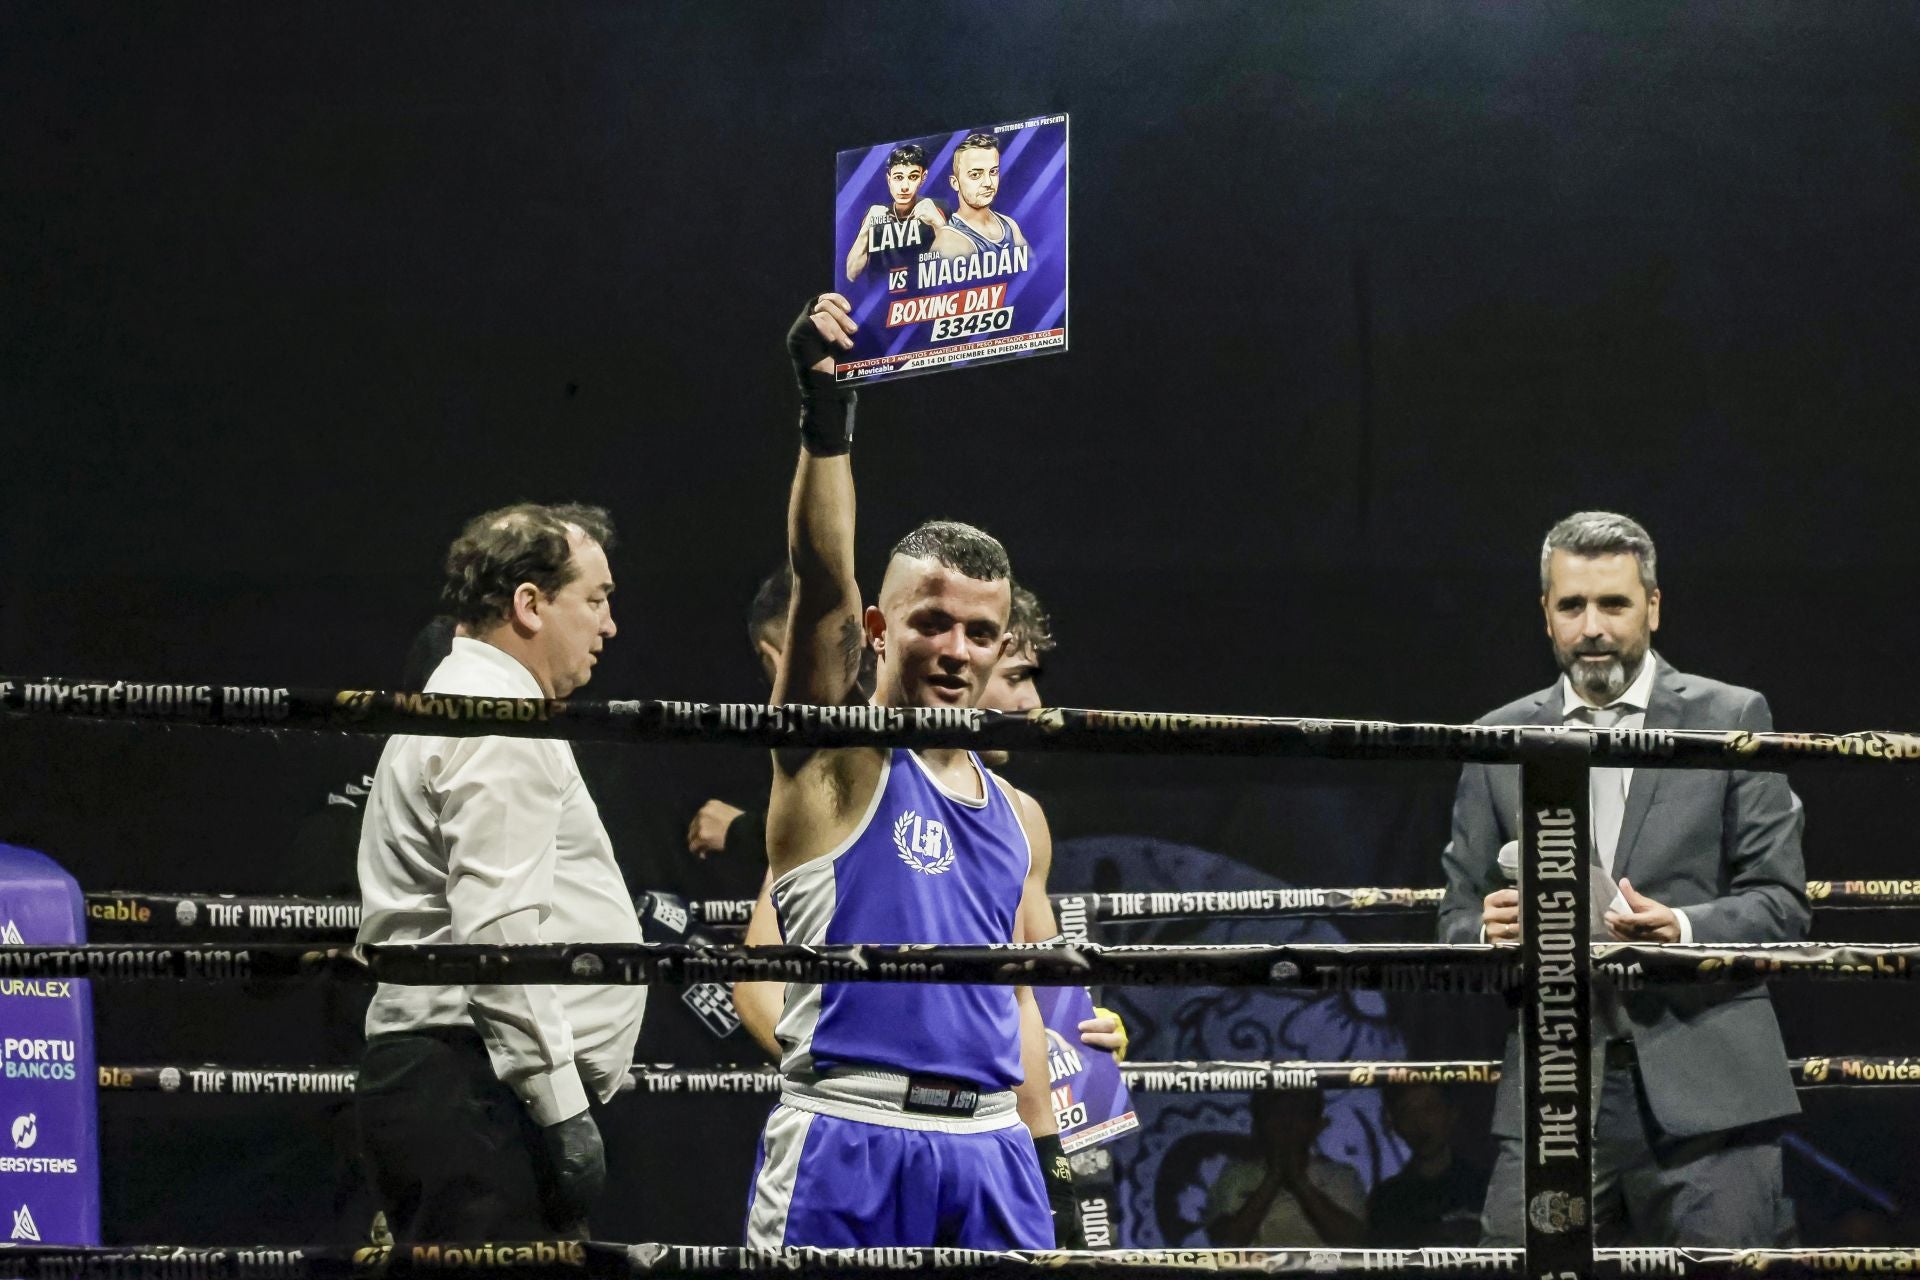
[(898, 1122)]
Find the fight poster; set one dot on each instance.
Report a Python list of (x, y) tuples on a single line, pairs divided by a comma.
[(1090, 1100), (953, 248)]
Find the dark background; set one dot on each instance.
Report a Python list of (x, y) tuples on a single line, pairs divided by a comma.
[(1366, 295)]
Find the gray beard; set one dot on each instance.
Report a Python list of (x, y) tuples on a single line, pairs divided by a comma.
[(1602, 683)]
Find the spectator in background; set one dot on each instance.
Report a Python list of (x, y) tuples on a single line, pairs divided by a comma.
[(1435, 1199), (1283, 1193), (718, 826), (741, 833)]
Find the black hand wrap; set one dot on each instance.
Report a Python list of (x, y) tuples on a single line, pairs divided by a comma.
[(575, 1173), (826, 407), (1068, 1233)]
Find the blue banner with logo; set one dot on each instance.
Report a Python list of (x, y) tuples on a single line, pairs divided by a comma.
[(50, 1151), (952, 247)]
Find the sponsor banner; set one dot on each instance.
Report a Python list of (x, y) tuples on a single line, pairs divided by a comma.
[(1250, 904), (730, 913), (603, 1261), (1863, 893), (1852, 1071), (1090, 1100), (128, 914), (207, 1077), (1631, 966), (663, 1078), (1263, 903), (952, 248), (121, 698), (134, 962), (1838, 1071), (542, 1256), (217, 1078), (1556, 1030), (667, 917), (1394, 966), (368, 711), (49, 1120), (1098, 1193), (1313, 967), (1262, 1077)]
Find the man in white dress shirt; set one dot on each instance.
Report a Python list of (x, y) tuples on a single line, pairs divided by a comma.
[(474, 1101)]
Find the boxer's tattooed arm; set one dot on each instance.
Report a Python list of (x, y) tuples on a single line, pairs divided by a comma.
[(820, 661), (820, 657)]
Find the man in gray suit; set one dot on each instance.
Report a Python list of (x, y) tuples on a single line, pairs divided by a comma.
[(1692, 1081)]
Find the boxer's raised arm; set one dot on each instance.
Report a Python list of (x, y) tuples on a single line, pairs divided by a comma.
[(821, 660)]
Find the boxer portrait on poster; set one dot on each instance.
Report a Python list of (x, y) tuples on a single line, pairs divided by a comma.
[(965, 260)]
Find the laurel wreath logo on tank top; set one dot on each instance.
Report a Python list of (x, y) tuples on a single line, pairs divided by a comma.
[(924, 843)]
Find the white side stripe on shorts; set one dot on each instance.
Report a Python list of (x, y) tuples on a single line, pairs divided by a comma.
[(785, 1137)]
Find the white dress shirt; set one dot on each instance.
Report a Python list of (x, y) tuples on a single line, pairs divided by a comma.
[(1632, 706), (495, 840)]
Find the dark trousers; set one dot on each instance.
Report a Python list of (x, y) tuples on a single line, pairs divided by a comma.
[(1719, 1189), (452, 1153)]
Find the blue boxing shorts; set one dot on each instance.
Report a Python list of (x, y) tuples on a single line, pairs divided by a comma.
[(825, 1179)]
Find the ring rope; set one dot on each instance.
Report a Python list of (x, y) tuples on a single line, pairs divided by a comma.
[(1375, 966), (366, 711), (584, 1260), (1834, 1071), (1553, 779), (265, 915), (1456, 968)]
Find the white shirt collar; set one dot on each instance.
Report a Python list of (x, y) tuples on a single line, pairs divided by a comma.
[(1635, 697), (502, 665)]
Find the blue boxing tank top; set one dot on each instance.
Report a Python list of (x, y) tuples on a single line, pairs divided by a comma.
[(980, 243), (924, 865)]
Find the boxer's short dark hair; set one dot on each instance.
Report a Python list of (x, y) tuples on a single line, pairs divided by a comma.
[(960, 547), (1030, 623), (908, 153), (771, 602)]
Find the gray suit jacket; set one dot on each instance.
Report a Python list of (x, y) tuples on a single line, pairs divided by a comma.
[(1723, 846)]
